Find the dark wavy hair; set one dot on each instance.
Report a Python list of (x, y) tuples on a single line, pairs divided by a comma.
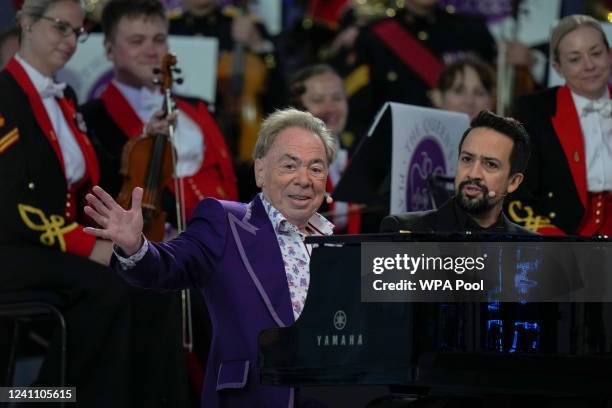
[(115, 10), (521, 148)]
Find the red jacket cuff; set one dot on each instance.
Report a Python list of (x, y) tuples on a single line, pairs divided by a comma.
[(79, 242)]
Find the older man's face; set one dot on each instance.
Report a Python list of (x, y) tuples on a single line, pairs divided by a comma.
[(293, 173)]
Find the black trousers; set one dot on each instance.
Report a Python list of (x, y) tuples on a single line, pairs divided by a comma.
[(124, 343)]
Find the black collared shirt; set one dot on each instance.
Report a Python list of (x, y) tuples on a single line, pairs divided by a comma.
[(467, 223)]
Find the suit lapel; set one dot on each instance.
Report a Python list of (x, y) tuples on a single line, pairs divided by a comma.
[(261, 256), (569, 133)]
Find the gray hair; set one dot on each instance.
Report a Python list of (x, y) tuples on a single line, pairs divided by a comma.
[(568, 24), (286, 118), (36, 8)]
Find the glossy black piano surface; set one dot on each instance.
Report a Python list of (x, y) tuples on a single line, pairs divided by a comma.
[(443, 348)]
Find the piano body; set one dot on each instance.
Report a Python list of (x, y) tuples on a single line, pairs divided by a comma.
[(432, 348)]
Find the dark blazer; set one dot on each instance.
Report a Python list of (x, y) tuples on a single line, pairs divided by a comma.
[(36, 205), (230, 253), (116, 354), (448, 218), (552, 198)]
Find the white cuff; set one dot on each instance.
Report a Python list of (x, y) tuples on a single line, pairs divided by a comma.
[(130, 261)]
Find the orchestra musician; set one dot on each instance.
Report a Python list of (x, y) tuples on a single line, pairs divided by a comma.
[(136, 40), (465, 85), (319, 90), (115, 356), (568, 181)]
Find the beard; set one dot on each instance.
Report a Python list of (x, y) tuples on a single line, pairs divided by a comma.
[(476, 205)]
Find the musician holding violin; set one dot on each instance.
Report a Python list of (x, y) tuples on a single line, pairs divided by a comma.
[(136, 34), (47, 165)]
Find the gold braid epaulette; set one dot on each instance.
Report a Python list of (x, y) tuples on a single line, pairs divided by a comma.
[(52, 228), (525, 216)]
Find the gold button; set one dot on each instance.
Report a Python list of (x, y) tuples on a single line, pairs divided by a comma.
[(67, 195), (391, 76), (423, 35), (450, 9), (31, 185), (390, 12), (67, 205), (598, 212), (552, 215), (576, 157), (307, 23), (597, 221), (550, 194), (599, 203)]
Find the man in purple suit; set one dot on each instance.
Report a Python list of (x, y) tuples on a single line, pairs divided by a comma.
[(249, 260)]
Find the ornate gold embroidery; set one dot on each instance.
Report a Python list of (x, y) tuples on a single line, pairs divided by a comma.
[(53, 227), (525, 216)]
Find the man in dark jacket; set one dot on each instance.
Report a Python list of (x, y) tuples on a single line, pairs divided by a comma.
[(493, 154)]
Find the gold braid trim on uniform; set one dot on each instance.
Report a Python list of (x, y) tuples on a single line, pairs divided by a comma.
[(357, 79), (525, 216), (9, 139), (52, 228)]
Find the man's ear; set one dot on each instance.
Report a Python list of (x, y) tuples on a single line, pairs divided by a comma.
[(25, 22), (515, 181), (435, 96), (108, 48), (259, 170)]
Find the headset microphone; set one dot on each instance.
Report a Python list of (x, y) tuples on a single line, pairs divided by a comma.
[(492, 194), (328, 198)]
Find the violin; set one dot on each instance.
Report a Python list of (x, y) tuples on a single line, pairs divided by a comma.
[(149, 162)]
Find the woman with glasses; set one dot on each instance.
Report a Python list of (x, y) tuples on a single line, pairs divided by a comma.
[(47, 165)]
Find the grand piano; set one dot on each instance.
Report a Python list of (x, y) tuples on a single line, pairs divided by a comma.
[(340, 342)]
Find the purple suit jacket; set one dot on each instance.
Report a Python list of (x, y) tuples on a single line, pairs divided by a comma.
[(229, 252)]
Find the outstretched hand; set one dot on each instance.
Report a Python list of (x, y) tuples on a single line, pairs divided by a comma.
[(123, 227)]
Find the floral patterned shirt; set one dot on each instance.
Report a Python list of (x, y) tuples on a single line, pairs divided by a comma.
[(296, 254)]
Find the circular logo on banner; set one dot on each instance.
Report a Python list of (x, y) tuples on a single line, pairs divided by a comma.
[(339, 320), (427, 159)]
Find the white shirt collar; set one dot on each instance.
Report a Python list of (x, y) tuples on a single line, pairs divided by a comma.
[(581, 102), (317, 224), (39, 81), (144, 101)]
